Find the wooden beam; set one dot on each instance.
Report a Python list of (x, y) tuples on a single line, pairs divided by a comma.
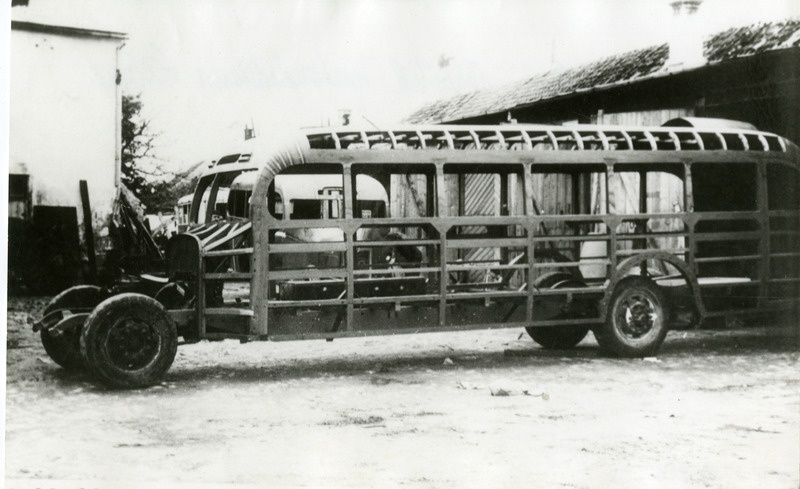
[(88, 230)]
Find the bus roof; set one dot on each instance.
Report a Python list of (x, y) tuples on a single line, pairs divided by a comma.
[(714, 134), (730, 136), (702, 134)]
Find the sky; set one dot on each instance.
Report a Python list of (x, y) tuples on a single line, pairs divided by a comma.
[(206, 68)]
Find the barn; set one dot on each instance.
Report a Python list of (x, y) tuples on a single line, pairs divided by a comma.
[(749, 73)]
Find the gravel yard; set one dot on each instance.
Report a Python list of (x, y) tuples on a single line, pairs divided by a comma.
[(482, 409)]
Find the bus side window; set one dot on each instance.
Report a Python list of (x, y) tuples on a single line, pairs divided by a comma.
[(726, 188), (305, 209)]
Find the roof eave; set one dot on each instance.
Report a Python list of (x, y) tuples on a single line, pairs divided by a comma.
[(662, 73), (67, 31)]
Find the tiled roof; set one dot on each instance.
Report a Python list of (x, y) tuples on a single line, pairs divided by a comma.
[(751, 40), (622, 68)]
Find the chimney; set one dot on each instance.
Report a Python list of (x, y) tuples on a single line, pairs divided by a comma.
[(686, 35)]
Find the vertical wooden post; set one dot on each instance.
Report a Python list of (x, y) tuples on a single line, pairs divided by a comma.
[(611, 219), (530, 230), (764, 243), (348, 185), (688, 198), (442, 203), (88, 230)]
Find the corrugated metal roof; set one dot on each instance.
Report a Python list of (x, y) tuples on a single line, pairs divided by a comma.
[(614, 70)]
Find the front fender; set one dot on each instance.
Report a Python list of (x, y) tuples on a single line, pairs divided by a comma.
[(634, 261)]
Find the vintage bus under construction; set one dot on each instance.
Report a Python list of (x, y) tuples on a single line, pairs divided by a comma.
[(624, 231)]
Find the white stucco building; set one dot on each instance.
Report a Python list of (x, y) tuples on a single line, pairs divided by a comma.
[(65, 113)]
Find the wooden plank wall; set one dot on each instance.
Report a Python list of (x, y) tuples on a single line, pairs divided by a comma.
[(643, 118)]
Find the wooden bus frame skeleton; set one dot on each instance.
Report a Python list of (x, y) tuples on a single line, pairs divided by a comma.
[(511, 266)]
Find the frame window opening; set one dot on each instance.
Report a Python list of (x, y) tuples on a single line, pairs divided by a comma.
[(311, 249), (484, 190), (307, 192), (640, 192), (400, 192), (394, 195), (783, 197), (649, 192), (783, 188), (571, 202), (490, 193), (725, 187), (727, 243)]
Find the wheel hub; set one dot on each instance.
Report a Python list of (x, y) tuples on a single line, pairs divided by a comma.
[(132, 344), (640, 316)]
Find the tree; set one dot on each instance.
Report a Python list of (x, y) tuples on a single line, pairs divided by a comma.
[(165, 193), (137, 147), (155, 187)]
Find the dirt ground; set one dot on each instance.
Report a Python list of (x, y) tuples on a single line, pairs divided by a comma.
[(484, 409)]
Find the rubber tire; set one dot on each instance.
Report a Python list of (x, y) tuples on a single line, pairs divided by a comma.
[(65, 349), (97, 340), (557, 337), (612, 337)]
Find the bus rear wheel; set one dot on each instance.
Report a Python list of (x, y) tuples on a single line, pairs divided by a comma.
[(129, 341), (559, 337), (636, 320)]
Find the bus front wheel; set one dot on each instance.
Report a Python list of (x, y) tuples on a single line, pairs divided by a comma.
[(636, 320), (129, 341)]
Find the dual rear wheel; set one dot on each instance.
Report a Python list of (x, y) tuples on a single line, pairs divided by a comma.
[(65, 348), (128, 340)]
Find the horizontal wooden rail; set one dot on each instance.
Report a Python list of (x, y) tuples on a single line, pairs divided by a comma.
[(307, 247), (229, 276), (228, 311), (718, 259), (399, 242), (307, 273), (238, 251), (674, 251), (729, 236)]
